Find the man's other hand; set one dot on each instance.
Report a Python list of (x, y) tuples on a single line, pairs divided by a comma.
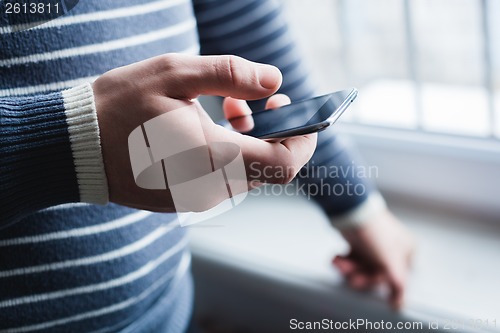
[(381, 253)]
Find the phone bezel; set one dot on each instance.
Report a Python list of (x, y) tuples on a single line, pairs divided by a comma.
[(314, 127)]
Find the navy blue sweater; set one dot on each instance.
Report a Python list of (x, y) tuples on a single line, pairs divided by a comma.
[(69, 260)]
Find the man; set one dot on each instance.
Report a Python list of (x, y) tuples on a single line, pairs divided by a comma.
[(74, 256)]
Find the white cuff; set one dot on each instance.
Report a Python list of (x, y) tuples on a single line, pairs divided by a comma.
[(362, 213), (81, 117)]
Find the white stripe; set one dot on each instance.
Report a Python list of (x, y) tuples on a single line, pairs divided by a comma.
[(132, 326), (122, 252), (56, 86), (181, 271), (103, 47), (99, 16), (67, 206), (78, 232), (126, 279)]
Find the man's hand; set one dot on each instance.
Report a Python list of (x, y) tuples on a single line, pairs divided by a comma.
[(381, 253), (127, 97)]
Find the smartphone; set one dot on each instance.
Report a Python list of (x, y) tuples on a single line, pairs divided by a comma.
[(299, 118)]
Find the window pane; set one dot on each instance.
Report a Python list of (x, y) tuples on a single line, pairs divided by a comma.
[(378, 61), (494, 19), (417, 67), (359, 43), (317, 29), (450, 62)]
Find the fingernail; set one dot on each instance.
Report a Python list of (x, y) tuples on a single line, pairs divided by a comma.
[(269, 77)]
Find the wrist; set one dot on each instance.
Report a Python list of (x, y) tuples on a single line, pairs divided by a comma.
[(362, 214)]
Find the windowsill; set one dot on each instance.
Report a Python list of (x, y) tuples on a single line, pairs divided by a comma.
[(278, 250), (456, 172)]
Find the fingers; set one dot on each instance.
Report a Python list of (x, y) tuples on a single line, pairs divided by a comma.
[(361, 281), (233, 108), (266, 162), (186, 77), (269, 162), (277, 101), (397, 283), (303, 146), (345, 265), (383, 249), (298, 142), (234, 111), (278, 162), (357, 276), (361, 278)]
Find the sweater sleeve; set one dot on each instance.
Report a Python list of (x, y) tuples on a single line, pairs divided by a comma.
[(49, 152), (257, 30)]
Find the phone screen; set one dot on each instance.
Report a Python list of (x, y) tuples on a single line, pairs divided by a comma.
[(298, 115)]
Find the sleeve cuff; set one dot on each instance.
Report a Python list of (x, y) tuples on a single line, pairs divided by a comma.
[(362, 213), (83, 128)]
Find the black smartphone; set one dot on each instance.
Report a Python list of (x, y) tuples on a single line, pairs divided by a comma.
[(299, 118)]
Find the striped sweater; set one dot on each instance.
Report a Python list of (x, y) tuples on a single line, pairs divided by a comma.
[(69, 260)]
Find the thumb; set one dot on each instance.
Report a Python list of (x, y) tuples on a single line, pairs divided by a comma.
[(191, 76)]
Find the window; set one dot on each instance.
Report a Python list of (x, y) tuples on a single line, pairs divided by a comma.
[(428, 75), (430, 66)]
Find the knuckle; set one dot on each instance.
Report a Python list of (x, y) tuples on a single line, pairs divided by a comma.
[(169, 62), (397, 284), (228, 69)]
